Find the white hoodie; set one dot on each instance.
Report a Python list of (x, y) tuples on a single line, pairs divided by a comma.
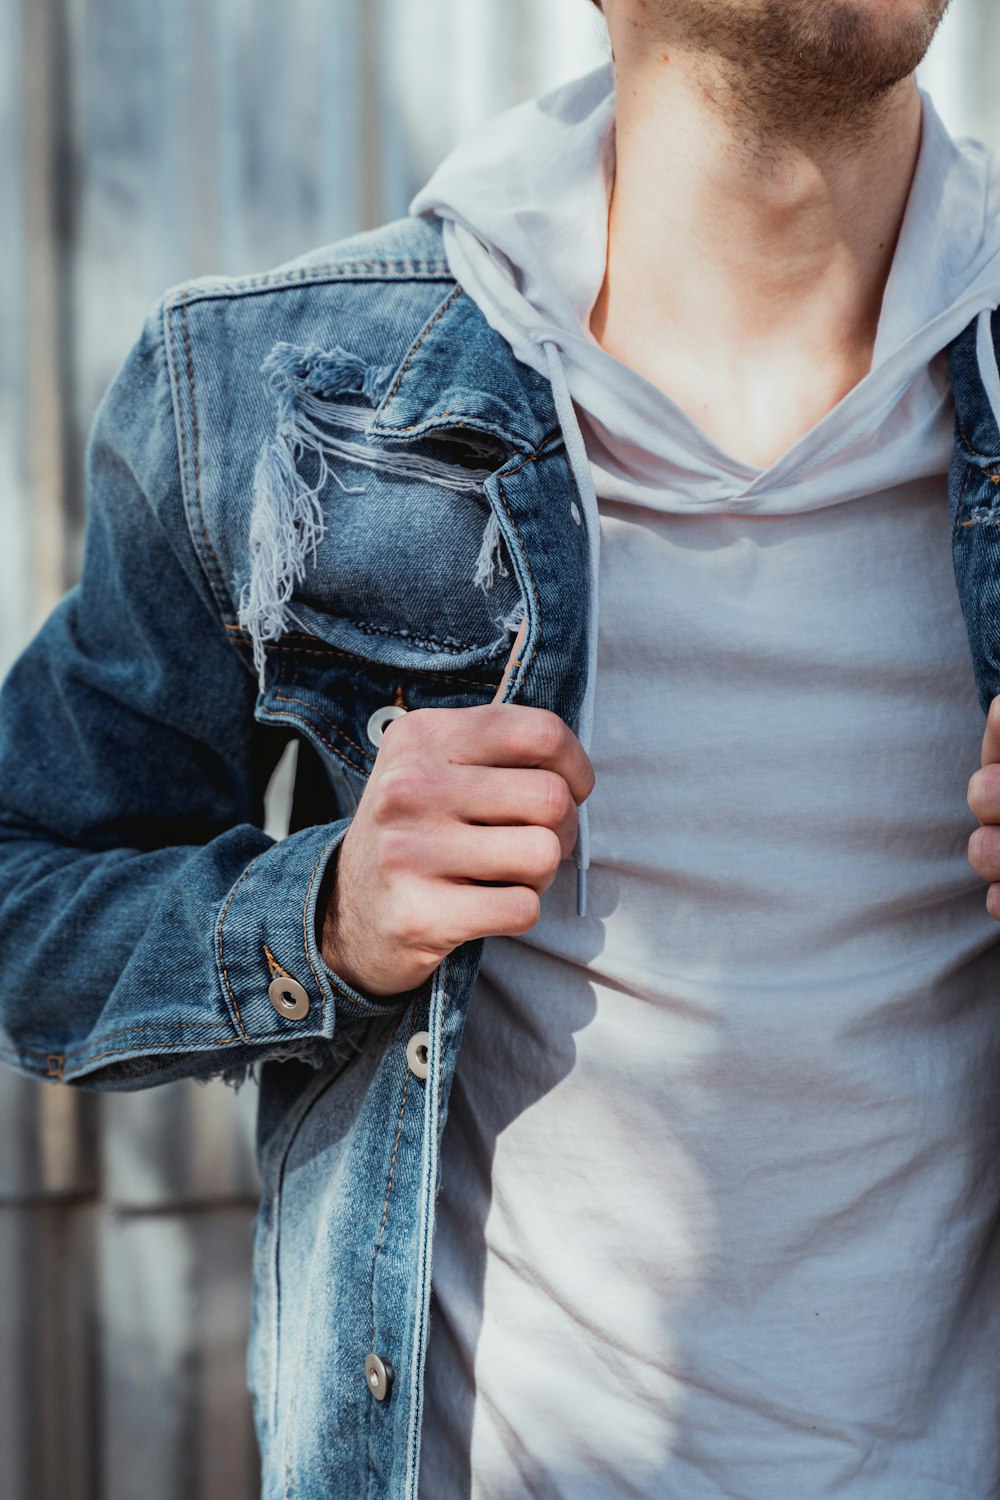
[(721, 1166)]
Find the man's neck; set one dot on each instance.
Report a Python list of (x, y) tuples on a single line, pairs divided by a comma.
[(745, 269)]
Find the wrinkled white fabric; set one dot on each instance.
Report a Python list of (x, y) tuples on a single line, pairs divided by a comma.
[(721, 1174)]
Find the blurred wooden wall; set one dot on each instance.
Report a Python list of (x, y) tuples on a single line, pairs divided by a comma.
[(143, 142)]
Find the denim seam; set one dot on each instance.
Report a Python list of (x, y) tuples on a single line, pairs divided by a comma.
[(289, 646), (305, 930), (70, 1059), (218, 585), (527, 658), (974, 451), (378, 425), (288, 713), (382, 1226), (330, 273), (446, 643), (302, 702), (222, 960), (483, 682), (292, 1128), (425, 1254), (181, 1048)]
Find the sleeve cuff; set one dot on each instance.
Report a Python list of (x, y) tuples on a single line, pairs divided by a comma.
[(266, 934)]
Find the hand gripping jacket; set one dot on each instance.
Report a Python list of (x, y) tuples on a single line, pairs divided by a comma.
[(312, 495)]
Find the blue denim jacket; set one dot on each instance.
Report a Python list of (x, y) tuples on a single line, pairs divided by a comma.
[(290, 484)]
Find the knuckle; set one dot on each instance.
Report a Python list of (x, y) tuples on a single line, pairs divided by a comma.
[(984, 794), (396, 851), (526, 909), (544, 852), (548, 734), (397, 792), (555, 802), (993, 713)]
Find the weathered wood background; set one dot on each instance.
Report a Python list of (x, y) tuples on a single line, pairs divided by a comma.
[(142, 142)]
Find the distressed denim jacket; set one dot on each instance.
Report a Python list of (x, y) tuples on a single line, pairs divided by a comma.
[(313, 495)]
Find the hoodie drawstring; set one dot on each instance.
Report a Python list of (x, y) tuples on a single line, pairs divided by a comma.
[(580, 468)]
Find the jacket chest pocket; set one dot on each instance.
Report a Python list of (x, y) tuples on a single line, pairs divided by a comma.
[(339, 700)]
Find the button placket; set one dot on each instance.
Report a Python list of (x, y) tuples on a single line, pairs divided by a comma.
[(418, 1053)]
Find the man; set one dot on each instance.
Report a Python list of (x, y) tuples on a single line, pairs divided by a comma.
[(718, 1186)]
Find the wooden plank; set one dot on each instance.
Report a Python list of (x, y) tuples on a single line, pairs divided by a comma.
[(48, 1355), (177, 1420)]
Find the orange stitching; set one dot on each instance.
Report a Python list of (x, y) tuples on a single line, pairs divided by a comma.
[(274, 965), (433, 270), (285, 698), (409, 359), (270, 713), (288, 645), (55, 1065), (172, 1052), (222, 961), (305, 928)]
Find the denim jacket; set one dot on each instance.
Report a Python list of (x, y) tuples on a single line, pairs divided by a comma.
[(313, 495)]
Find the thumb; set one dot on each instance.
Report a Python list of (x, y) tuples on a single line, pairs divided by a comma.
[(514, 661), (991, 739)]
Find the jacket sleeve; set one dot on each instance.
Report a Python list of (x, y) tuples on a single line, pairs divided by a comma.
[(143, 911)]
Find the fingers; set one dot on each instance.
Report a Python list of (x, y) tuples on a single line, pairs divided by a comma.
[(485, 795), (984, 852), (991, 738), (491, 911), (493, 734), (984, 794), (984, 801), (526, 856)]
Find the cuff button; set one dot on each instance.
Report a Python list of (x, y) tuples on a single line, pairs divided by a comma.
[(288, 997)]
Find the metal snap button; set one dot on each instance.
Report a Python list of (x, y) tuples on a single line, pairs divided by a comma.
[(288, 997), (417, 1053), (379, 1376), (380, 718), (574, 511)]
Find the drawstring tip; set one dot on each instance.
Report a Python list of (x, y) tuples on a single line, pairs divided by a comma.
[(581, 892)]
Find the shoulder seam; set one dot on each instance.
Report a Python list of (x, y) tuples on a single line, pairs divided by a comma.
[(347, 271)]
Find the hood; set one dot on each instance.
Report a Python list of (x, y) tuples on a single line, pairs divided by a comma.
[(524, 203)]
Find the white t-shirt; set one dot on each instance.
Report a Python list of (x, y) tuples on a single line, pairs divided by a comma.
[(721, 1173)]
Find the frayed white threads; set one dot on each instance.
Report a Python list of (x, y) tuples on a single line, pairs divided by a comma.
[(490, 563), (287, 524)]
